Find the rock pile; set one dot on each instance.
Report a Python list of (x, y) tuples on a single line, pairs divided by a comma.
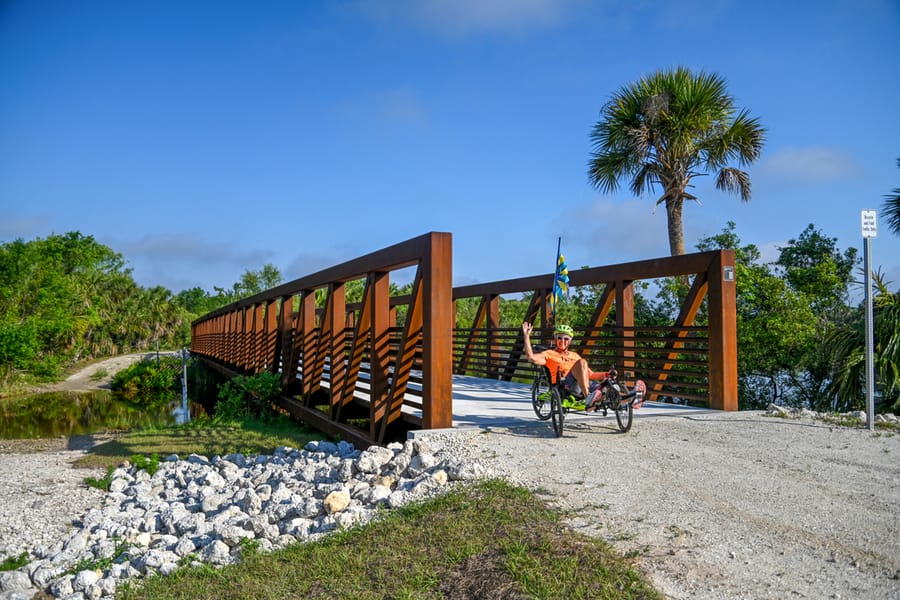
[(789, 412), (211, 510)]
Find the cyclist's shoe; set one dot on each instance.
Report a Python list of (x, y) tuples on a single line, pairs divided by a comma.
[(590, 403), (640, 390)]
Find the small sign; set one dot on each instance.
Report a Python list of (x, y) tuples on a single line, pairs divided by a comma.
[(728, 273), (869, 223)]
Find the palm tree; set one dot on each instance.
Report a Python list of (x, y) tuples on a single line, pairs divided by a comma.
[(665, 130), (846, 348), (891, 208)]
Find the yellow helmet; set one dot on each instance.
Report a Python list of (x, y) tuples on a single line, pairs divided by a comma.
[(565, 330)]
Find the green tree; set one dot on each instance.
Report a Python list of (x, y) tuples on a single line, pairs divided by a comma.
[(66, 298), (891, 208), (775, 325), (196, 301), (815, 268), (251, 283), (845, 347), (255, 282), (665, 130)]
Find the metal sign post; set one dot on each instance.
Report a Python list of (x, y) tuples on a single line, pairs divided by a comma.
[(185, 409), (869, 230)]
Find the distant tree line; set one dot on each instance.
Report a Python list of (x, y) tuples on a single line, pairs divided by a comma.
[(67, 298)]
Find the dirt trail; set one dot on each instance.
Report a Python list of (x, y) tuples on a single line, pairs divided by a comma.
[(84, 380)]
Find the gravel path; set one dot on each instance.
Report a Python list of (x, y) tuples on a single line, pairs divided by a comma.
[(713, 506), (42, 494), (722, 506)]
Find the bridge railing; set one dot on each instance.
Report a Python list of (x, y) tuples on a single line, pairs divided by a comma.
[(682, 362), (349, 369)]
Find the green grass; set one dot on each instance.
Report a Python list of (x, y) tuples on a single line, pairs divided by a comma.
[(99, 374), (487, 540), (121, 550), (11, 563), (101, 483), (206, 440)]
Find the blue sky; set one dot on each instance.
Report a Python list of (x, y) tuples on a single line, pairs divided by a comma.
[(201, 139)]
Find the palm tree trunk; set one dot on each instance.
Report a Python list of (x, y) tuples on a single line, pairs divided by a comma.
[(676, 232)]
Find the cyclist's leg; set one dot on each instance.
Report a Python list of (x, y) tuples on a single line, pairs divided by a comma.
[(580, 372), (572, 387), (593, 396)]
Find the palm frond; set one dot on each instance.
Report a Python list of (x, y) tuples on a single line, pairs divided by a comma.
[(734, 180), (891, 208)]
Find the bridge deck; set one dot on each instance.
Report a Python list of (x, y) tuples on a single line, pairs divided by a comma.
[(483, 403)]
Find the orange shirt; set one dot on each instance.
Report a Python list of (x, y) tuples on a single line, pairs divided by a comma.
[(557, 362)]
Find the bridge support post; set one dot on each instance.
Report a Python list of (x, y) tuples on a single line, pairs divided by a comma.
[(437, 344), (723, 373)]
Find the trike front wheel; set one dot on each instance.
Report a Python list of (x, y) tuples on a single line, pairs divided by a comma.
[(541, 397), (624, 415)]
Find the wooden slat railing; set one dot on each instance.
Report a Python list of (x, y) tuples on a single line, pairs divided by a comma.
[(349, 371), (682, 362)]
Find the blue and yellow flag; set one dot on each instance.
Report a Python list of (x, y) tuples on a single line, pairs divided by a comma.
[(560, 279)]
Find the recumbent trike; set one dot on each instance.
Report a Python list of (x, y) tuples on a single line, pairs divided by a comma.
[(552, 400)]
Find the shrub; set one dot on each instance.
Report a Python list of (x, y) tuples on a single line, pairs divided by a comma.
[(244, 397), (148, 376)]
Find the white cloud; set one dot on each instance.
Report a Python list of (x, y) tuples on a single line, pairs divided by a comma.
[(805, 166), (770, 251), (687, 15), (28, 227), (307, 263), (184, 260), (396, 108), (190, 247), (608, 231)]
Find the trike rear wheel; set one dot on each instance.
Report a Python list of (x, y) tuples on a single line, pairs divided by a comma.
[(557, 415)]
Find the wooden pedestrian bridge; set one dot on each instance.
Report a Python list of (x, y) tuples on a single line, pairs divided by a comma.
[(371, 371)]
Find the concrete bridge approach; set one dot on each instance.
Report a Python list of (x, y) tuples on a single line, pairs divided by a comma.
[(482, 404)]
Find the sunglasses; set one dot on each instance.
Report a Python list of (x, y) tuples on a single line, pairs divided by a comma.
[(563, 338)]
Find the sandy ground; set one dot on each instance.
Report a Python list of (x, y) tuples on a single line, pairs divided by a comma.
[(41, 492), (728, 505), (714, 507)]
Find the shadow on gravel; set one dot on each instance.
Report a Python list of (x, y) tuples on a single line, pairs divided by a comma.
[(88, 441), (545, 429)]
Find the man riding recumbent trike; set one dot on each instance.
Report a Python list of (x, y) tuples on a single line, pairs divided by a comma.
[(562, 376)]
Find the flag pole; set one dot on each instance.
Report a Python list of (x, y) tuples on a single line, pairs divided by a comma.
[(553, 297)]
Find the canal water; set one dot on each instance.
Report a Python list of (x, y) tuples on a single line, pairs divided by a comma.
[(55, 414)]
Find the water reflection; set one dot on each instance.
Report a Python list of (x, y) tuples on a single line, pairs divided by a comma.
[(57, 414), (182, 412)]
